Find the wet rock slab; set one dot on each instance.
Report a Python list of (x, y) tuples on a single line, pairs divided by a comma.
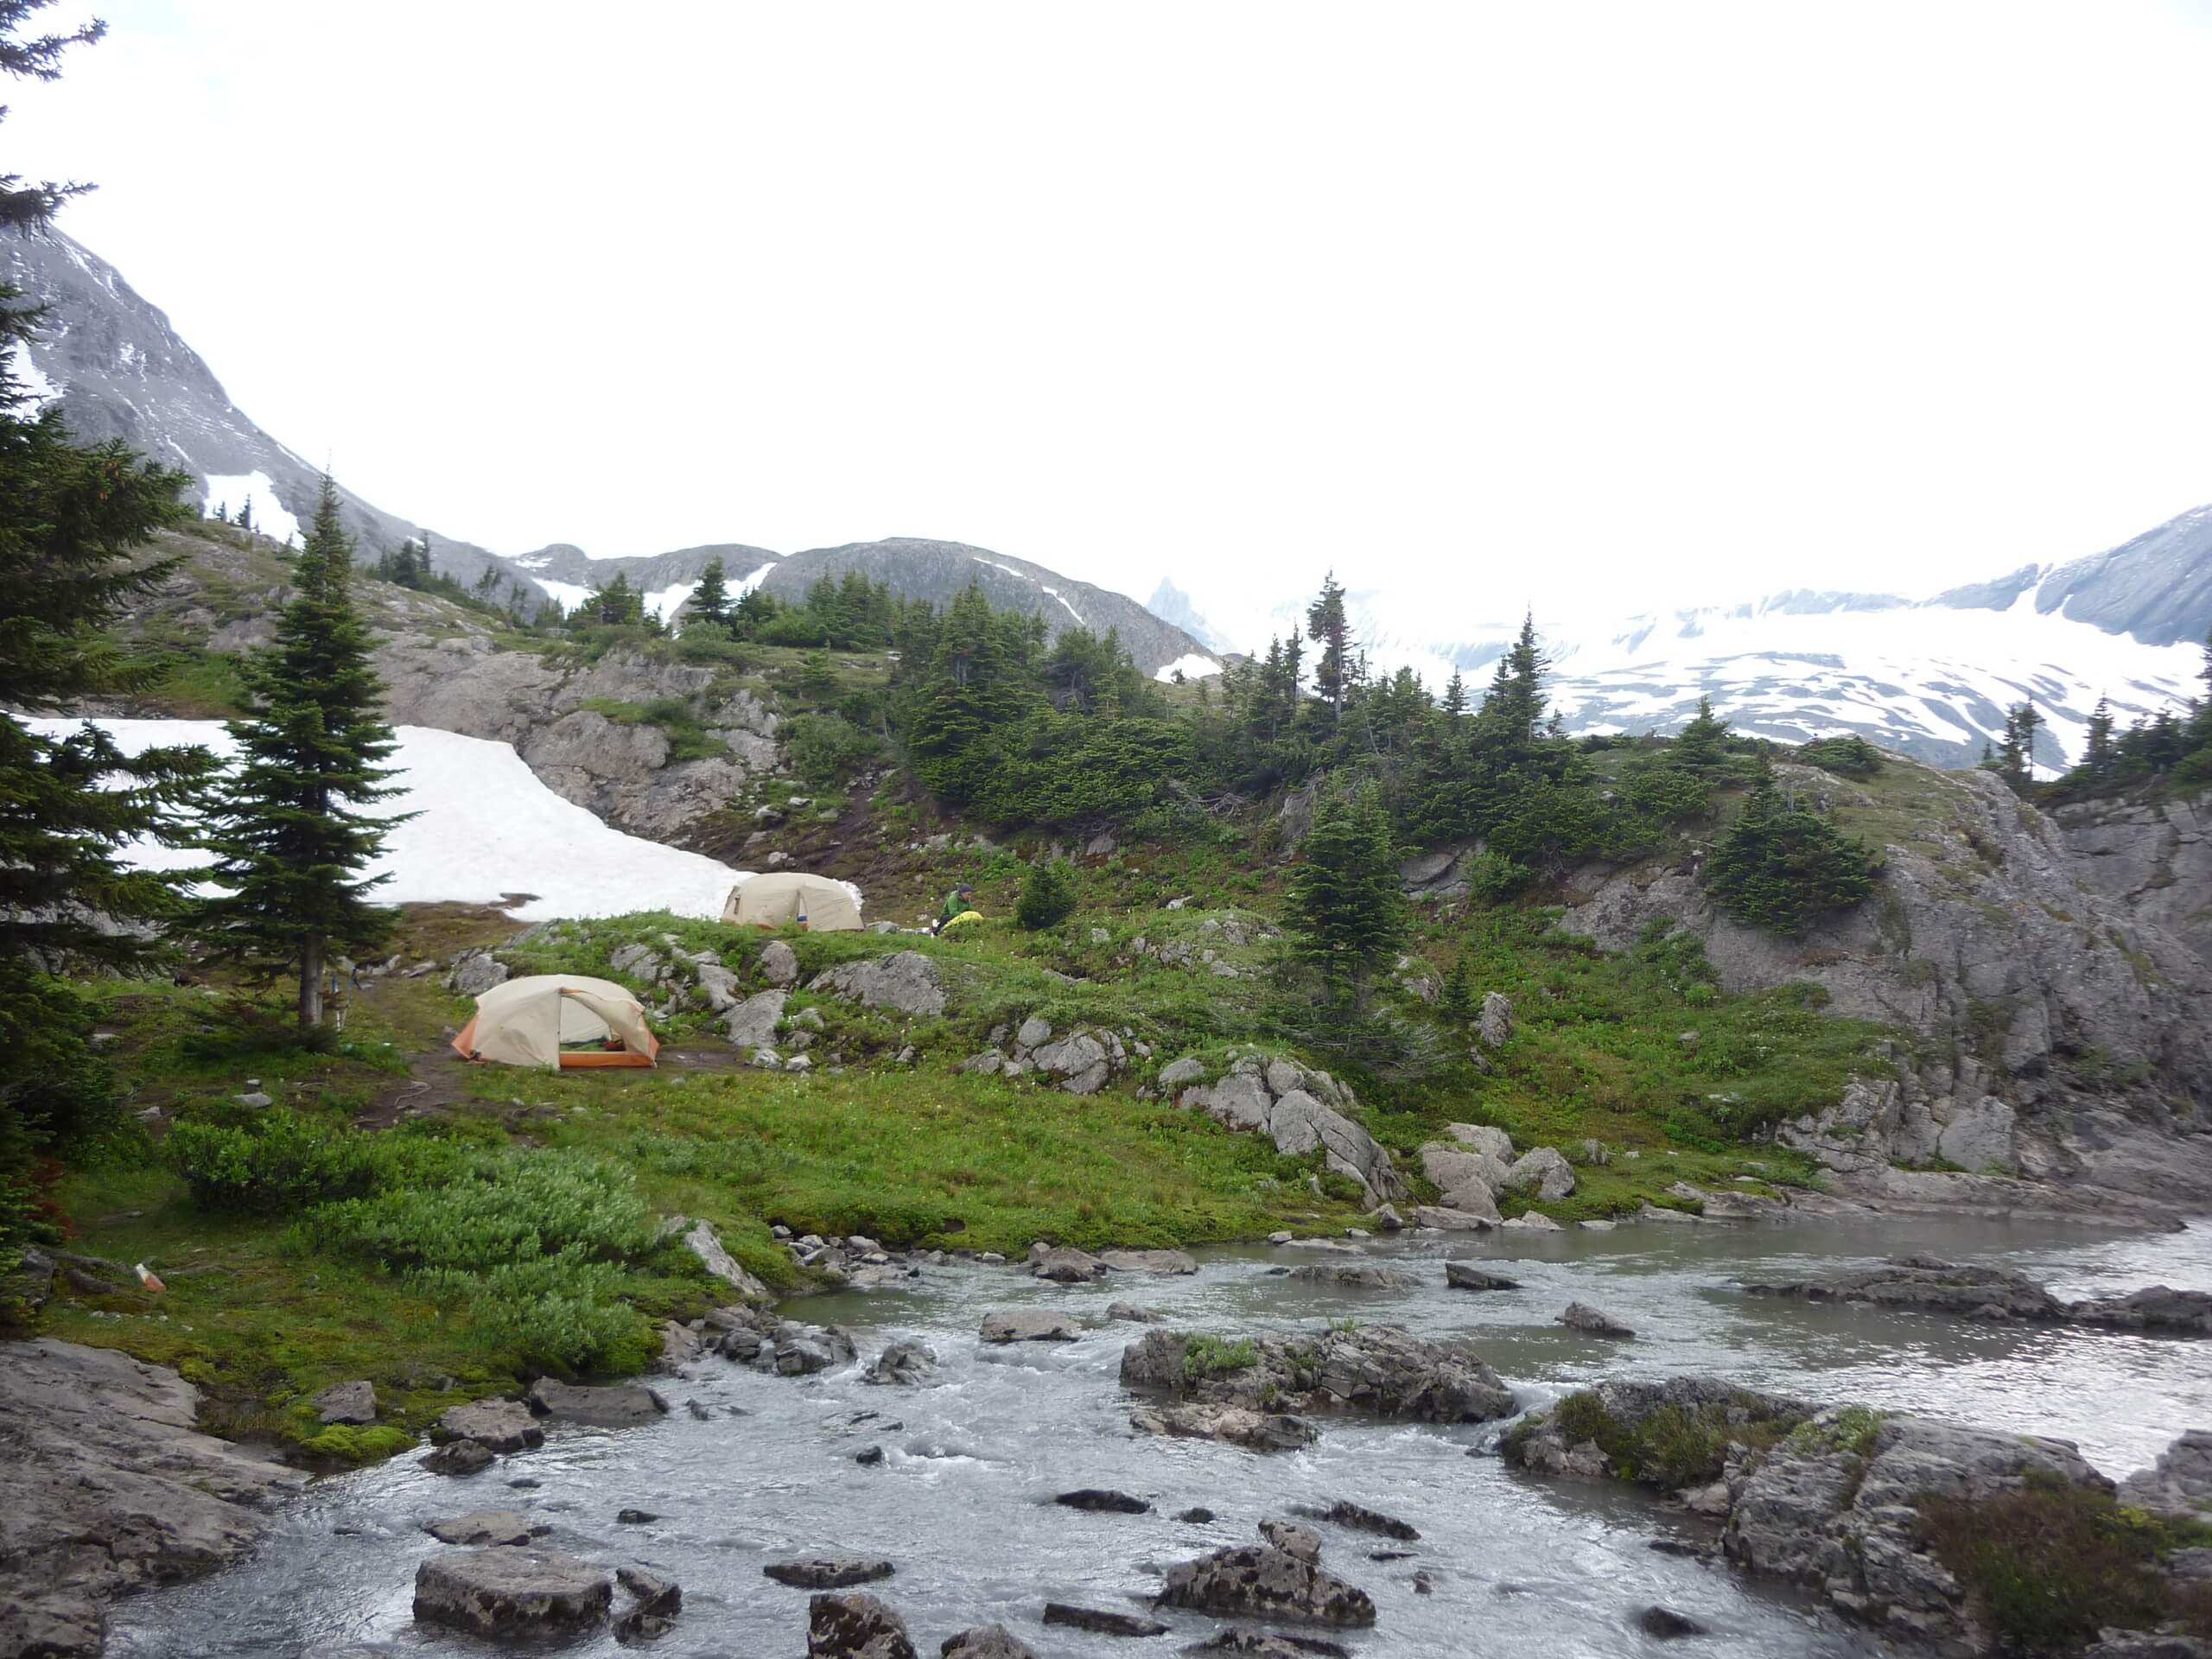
[(1377, 1370), (1101, 1621), (1260, 1581), (828, 1572), (481, 1527), (985, 1642), (625, 1405), (1027, 1325), (508, 1593), (856, 1627), (496, 1425)]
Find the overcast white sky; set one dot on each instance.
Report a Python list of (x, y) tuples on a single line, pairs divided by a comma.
[(1514, 304)]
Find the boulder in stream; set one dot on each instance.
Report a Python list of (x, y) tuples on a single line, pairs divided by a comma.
[(480, 1527), (856, 1627), (1358, 1517), (1027, 1325), (1260, 1581), (1292, 1539), (1103, 1499), (505, 1593), (354, 1404), (496, 1425), (1465, 1275), (624, 1405), (655, 1602), (828, 1572), (985, 1642), (1378, 1370), (1929, 1283), (1100, 1621), (1355, 1276), (1580, 1316), (1254, 1430), (1063, 1266), (460, 1457), (2180, 1483), (902, 1364)]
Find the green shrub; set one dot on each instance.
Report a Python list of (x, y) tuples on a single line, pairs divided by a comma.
[(2052, 1562), (278, 1165), (1781, 868), (1671, 1446), (1047, 894), (1847, 756), (1203, 1357), (1493, 878), (509, 1206), (827, 749), (558, 1312)]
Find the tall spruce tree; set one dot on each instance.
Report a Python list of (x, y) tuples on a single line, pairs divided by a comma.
[(1328, 625), (709, 606), (73, 522), (1347, 906), (289, 837)]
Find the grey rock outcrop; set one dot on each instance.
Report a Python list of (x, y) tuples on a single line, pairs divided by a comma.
[(1580, 1316), (496, 1425), (905, 983), (2065, 1061), (901, 1365), (703, 1242), (503, 1592), (985, 1642), (758, 1338), (1003, 1325), (1064, 1265), (752, 1023), (828, 1572), (350, 1403), (1312, 1115), (779, 963), (1253, 1429), (1494, 1024), (481, 1527), (2180, 1483), (1542, 1173), (107, 1486), (1465, 1275), (1930, 1284), (621, 1405)]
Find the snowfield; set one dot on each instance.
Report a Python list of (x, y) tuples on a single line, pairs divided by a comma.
[(236, 489), (1189, 665), (485, 827)]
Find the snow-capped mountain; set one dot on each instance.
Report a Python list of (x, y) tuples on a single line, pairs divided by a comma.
[(1932, 677)]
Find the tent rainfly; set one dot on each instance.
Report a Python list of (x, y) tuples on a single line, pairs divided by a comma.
[(528, 1021), (814, 902)]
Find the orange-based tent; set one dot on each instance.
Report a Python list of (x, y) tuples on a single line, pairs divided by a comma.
[(532, 1022)]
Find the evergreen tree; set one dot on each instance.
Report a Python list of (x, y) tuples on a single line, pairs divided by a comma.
[(2016, 754), (1327, 625), (709, 603), (72, 520), (1700, 744), (1455, 695), (289, 837), (1782, 868), (1047, 894), (245, 514), (2097, 750), (1457, 1003), (1522, 672), (1346, 907)]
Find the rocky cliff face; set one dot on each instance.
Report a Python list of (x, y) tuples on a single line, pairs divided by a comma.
[(2047, 977)]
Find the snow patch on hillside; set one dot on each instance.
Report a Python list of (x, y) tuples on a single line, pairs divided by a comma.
[(1189, 665), (235, 490), (667, 601), (485, 827), (566, 594), (30, 377), (1032, 581)]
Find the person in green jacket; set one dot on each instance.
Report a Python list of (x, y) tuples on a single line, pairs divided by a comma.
[(958, 902)]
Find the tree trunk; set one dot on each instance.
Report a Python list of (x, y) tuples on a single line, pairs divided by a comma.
[(311, 983)]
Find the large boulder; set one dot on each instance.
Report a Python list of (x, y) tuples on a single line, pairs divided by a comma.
[(1928, 1283), (1253, 1429), (905, 983), (350, 1403), (1482, 1137), (1302, 1111), (624, 1405), (508, 1593), (2180, 1483), (1260, 1581), (1494, 1024), (855, 1625), (828, 1572), (985, 1642), (1004, 1324), (752, 1023), (757, 1338), (1378, 1370), (1064, 1265), (703, 1242), (779, 964), (481, 1527), (1543, 1172), (2155, 1308), (496, 1425)]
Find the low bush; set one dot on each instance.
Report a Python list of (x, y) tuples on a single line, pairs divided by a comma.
[(827, 749), (507, 1207), (278, 1165), (1781, 868), (1203, 1357), (1847, 756)]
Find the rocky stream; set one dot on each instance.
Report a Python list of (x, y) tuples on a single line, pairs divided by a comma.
[(967, 1484)]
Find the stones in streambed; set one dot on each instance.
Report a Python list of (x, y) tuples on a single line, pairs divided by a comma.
[(1580, 1316), (481, 1527), (460, 1457), (1155, 1261), (1665, 1625), (1932, 1285), (504, 1592), (868, 1457), (1004, 1324), (633, 1517), (1254, 1430), (1063, 1266), (1103, 1499), (985, 1642), (1196, 1515), (1269, 1644), (902, 1364), (828, 1572), (654, 1605), (1465, 1275), (622, 1405), (1359, 1519), (856, 1627), (759, 1338), (1101, 1622), (1357, 1276), (1136, 1314), (1260, 1581), (495, 1425), (352, 1404), (1379, 1371)]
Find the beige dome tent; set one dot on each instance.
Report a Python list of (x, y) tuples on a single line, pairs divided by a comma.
[(814, 902), (529, 1021)]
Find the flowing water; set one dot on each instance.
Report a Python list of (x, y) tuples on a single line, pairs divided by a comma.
[(961, 1500)]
